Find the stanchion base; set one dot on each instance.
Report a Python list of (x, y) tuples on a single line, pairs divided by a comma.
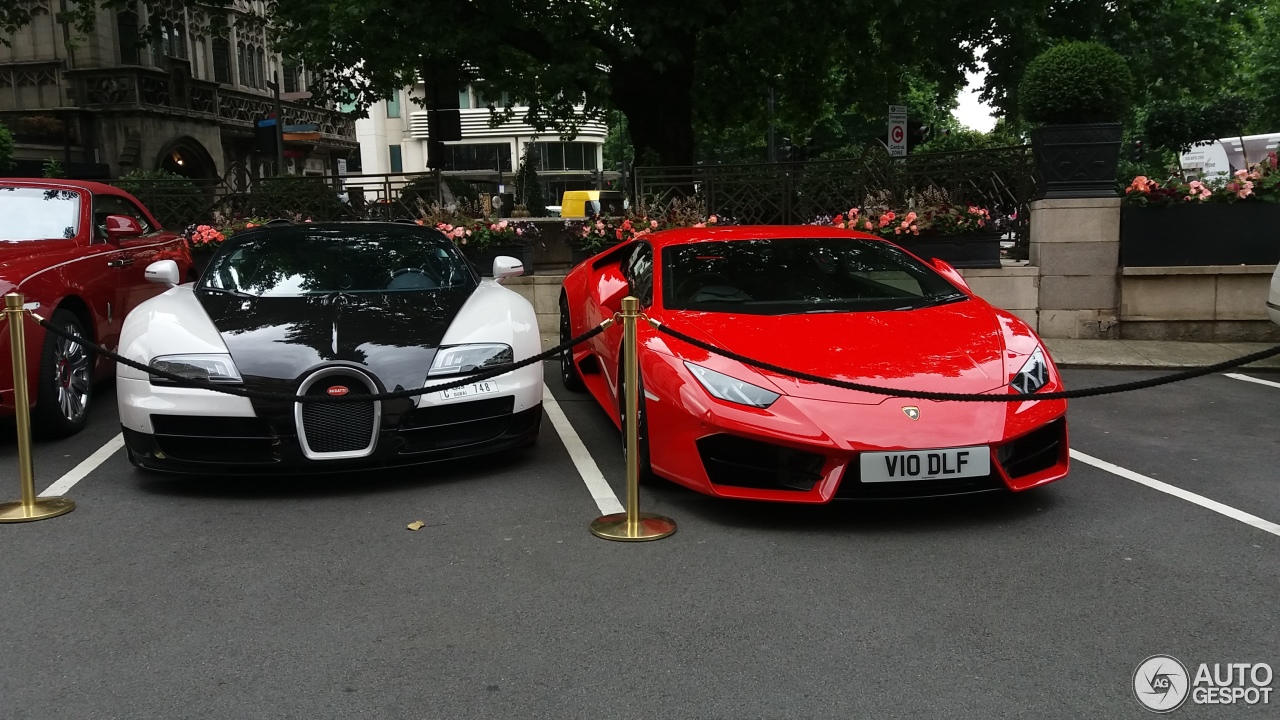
[(650, 527), (43, 509)]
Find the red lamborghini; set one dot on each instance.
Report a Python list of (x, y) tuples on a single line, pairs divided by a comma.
[(827, 302)]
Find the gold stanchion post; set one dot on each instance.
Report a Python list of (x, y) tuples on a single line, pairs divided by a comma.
[(29, 507), (632, 525)]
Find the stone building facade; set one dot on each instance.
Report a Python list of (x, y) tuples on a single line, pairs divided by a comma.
[(184, 99)]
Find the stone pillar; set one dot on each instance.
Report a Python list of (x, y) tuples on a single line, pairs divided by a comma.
[(1076, 245)]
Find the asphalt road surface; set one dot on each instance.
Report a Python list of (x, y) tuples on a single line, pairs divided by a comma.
[(308, 598)]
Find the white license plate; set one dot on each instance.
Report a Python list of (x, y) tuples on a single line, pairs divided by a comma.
[(908, 465), (480, 388)]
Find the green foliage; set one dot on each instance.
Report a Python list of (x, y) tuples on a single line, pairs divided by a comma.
[(1076, 82), (53, 169), (528, 187), (1261, 72), (6, 148), (173, 199), (1178, 124), (957, 140)]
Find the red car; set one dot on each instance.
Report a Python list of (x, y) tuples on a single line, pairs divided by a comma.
[(78, 252), (831, 303)]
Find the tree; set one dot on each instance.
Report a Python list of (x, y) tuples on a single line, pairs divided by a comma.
[(6, 148), (528, 187), (1174, 48), (661, 63)]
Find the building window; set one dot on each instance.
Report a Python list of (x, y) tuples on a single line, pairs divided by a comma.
[(464, 99), (477, 156), (127, 32), (221, 60), (393, 105), (497, 102), (261, 71), (292, 78), (568, 156), (397, 163), (245, 67)]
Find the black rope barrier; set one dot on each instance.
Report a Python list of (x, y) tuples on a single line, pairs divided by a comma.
[(289, 397), (971, 397)]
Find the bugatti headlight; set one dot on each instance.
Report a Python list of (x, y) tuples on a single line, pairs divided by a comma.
[(732, 389), (1033, 375), (462, 359), (213, 368)]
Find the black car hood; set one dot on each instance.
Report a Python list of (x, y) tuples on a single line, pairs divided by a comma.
[(394, 335)]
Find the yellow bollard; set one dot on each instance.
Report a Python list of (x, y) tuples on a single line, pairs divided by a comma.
[(632, 525), (29, 507)]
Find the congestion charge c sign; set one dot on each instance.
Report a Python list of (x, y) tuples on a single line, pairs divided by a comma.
[(897, 133)]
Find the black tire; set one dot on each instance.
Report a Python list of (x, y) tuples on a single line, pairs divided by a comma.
[(64, 390), (642, 434), (569, 376)]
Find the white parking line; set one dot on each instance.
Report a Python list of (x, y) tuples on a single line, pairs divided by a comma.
[(79, 472), (1246, 378), (587, 468), (1204, 502)]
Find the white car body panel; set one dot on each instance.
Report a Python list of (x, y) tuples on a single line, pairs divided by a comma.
[(175, 323), (495, 314)]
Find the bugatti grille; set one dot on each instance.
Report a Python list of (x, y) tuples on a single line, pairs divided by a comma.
[(338, 427)]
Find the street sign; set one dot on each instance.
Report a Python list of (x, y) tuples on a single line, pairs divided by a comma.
[(897, 130)]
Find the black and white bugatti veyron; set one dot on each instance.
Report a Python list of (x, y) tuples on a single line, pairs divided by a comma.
[(328, 308)]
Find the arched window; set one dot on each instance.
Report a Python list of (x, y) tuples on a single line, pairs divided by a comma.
[(221, 60), (127, 34), (242, 57), (262, 68), (179, 41)]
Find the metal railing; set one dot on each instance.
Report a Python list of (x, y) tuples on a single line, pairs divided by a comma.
[(178, 202), (1002, 180)]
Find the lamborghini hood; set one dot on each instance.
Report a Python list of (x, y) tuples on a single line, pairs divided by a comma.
[(948, 348)]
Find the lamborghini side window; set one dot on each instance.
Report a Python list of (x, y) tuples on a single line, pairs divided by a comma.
[(638, 269)]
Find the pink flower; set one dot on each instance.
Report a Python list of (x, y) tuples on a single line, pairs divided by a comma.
[(654, 223), (519, 231), (699, 225), (599, 225), (911, 217), (867, 225), (1246, 190), (502, 224), (1241, 173), (713, 220), (915, 229)]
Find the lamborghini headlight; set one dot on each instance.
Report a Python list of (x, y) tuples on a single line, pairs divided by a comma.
[(1033, 375), (213, 368), (731, 389), (462, 359)]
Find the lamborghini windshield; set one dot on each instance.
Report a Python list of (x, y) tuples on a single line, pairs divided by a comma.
[(296, 261), (798, 275)]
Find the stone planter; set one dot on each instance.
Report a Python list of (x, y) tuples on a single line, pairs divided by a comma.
[(483, 257), (1215, 234), (960, 251), (1077, 161)]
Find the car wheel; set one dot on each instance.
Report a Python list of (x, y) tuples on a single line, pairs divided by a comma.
[(642, 432), (569, 376), (65, 387)]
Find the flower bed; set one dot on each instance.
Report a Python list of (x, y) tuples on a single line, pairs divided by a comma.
[(961, 235), (1228, 221)]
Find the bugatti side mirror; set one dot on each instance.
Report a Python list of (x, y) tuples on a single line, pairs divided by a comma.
[(164, 272), (505, 266), (945, 269)]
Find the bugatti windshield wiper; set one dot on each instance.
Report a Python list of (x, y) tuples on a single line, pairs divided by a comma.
[(226, 291)]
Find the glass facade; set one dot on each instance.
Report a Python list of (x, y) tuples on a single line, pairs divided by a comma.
[(567, 156), (479, 156)]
